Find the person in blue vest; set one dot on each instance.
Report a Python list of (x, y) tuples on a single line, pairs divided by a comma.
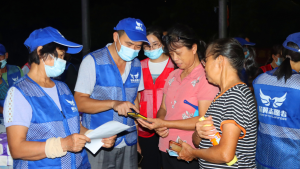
[(277, 94), (9, 75), (106, 90), (40, 114)]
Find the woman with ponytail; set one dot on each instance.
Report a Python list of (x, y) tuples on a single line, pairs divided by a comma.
[(175, 118), (277, 94)]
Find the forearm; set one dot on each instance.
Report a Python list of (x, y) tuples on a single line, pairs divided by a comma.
[(161, 114), (92, 106), (186, 124), (1, 110), (196, 139), (28, 150), (213, 154)]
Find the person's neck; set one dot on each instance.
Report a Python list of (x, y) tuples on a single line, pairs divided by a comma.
[(162, 58), (37, 73), (118, 60), (295, 66), (228, 79), (273, 64), (3, 70), (192, 67)]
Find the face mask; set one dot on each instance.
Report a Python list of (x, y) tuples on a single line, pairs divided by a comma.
[(3, 63), (126, 53), (154, 54), (279, 61), (57, 69), (247, 54)]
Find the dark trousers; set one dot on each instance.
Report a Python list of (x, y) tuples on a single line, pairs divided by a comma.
[(169, 162), (150, 152)]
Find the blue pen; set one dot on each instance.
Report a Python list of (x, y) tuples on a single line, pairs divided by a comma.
[(196, 113)]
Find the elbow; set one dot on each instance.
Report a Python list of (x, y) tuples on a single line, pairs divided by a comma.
[(226, 157), (15, 154)]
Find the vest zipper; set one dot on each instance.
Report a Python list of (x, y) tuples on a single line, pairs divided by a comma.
[(63, 114)]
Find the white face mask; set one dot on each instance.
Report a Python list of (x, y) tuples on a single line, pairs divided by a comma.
[(126, 53), (57, 69)]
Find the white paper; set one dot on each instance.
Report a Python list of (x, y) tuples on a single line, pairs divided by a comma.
[(104, 131)]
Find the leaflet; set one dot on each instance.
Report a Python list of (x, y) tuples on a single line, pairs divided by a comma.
[(104, 131)]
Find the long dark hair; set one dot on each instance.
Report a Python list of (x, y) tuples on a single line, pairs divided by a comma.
[(233, 51), (188, 39), (285, 69), (250, 63)]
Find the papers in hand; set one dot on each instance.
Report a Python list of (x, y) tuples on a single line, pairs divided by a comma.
[(104, 131)]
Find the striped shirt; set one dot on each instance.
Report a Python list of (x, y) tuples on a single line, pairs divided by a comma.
[(236, 105)]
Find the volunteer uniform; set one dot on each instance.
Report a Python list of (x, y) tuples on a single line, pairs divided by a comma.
[(278, 139)]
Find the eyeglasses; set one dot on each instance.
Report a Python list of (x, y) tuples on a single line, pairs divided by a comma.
[(174, 38), (154, 46)]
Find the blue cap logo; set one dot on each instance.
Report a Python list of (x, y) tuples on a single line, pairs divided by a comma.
[(139, 26)]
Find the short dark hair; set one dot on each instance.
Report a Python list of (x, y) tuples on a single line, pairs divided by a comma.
[(285, 69), (47, 49), (189, 40), (120, 32), (233, 51)]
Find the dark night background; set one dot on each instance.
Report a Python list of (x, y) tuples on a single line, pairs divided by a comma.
[(265, 22)]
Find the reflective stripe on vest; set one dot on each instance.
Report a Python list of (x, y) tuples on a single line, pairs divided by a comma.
[(278, 138), (266, 68), (48, 121), (151, 96), (109, 86)]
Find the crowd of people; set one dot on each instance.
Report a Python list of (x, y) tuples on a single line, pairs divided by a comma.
[(223, 110)]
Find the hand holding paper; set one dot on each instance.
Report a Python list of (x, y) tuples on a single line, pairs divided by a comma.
[(106, 130)]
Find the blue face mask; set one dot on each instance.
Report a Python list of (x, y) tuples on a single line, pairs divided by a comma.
[(247, 54), (154, 54), (279, 61), (57, 69), (126, 53), (3, 63)]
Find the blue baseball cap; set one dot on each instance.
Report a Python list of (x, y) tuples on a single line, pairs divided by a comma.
[(2, 50), (295, 37), (47, 35), (134, 28), (244, 42)]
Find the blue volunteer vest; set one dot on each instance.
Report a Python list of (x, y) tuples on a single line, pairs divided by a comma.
[(278, 138), (48, 121), (109, 86), (13, 75)]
